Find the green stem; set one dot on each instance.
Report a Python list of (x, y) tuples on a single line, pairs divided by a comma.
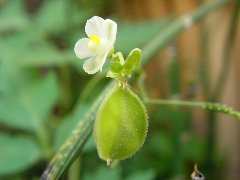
[(174, 102), (43, 137), (74, 144), (217, 107), (226, 52), (210, 144), (41, 132), (140, 82), (65, 88), (74, 170), (204, 73)]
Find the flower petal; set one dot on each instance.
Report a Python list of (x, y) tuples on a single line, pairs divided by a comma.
[(97, 26), (103, 60), (112, 31), (92, 64), (81, 49)]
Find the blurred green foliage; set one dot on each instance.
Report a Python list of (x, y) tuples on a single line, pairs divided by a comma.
[(41, 81)]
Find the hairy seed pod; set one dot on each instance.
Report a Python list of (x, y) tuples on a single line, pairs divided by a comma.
[(121, 125)]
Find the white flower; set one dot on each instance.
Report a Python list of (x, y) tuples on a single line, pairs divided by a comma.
[(101, 38)]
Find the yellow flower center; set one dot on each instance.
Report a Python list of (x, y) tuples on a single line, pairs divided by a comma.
[(95, 38)]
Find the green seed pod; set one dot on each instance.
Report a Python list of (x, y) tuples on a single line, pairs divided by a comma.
[(121, 125)]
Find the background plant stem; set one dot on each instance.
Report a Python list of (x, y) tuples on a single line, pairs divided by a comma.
[(217, 91), (227, 52), (166, 35), (217, 107), (204, 73)]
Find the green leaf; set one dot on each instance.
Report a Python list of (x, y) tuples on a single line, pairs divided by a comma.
[(28, 50), (132, 61), (115, 66), (56, 16), (28, 106), (13, 17), (104, 172), (17, 153), (111, 74), (118, 57), (193, 149), (52, 17), (142, 175)]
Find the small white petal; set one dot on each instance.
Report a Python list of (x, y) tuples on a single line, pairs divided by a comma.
[(97, 26), (112, 31), (81, 49), (92, 65), (103, 61)]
